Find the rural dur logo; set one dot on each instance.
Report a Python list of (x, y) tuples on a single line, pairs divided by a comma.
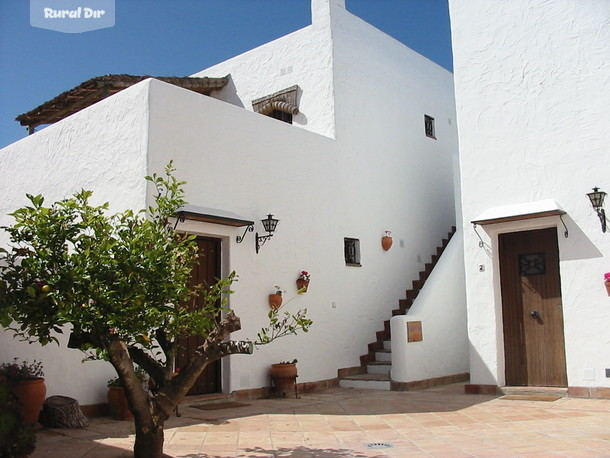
[(72, 16)]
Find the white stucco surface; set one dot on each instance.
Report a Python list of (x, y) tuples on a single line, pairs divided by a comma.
[(441, 309), (533, 116), (101, 148)]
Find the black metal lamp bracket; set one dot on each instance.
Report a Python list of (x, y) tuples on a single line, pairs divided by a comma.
[(602, 218), (260, 240)]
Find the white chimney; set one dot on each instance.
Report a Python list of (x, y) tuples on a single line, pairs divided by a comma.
[(320, 10)]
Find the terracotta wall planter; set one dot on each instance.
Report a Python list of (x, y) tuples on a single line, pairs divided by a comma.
[(31, 394), (386, 242), (607, 283), (275, 301), (302, 285)]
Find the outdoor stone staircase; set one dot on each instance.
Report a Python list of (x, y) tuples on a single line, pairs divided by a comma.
[(375, 366)]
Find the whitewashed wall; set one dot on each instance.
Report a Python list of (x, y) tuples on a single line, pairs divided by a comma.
[(530, 78), (441, 309), (101, 148)]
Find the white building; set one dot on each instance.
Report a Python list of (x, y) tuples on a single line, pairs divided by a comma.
[(531, 80), (371, 148)]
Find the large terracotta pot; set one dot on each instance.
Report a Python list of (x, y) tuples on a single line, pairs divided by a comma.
[(275, 301), (31, 394), (284, 377), (284, 370), (117, 401)]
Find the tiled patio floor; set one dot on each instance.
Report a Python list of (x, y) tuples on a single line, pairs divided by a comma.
[(439, 422)]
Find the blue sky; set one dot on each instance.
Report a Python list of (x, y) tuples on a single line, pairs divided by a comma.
[(177, 38)]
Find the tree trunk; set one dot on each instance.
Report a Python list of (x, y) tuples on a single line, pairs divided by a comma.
[(149, 442)]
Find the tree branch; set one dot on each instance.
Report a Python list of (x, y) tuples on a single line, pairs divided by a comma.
[(150, 365), (230, 323)]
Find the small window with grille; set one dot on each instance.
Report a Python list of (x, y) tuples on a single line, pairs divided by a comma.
[(351, 248), (429, 126), (281, 115), (281, 105)]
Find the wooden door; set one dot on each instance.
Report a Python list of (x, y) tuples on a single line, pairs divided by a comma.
[(531, 308), (206, 272)]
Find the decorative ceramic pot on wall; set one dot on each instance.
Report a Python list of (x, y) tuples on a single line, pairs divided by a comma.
[(607, 283), (302, 285), (275, 301), (386, 242)]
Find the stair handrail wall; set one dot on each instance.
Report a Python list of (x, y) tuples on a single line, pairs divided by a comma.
[(441, 308)]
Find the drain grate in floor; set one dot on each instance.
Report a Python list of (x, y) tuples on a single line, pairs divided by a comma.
[(378, 445)]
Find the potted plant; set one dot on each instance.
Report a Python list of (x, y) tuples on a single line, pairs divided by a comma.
[(386, 240), (275, 299), (284, 376), (16, 437), (303, 282), (607, 282), (117, 401), (26, 382)]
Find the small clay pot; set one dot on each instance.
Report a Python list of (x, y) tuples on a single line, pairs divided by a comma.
[(275, 301), (386, 242)]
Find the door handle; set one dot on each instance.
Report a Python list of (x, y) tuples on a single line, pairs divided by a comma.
[(535, 314)]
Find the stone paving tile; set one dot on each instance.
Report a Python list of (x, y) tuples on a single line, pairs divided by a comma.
[(340, 423)]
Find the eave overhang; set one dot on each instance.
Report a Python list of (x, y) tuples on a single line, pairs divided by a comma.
[(519, 212), (211, 215), (100, 87)]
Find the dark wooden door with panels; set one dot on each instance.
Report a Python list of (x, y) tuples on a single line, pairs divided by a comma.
[(532, 309), (206, 272)]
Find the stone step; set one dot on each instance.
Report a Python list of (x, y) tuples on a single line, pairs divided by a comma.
[(387, 345), (383, 355), (534, 390), (366, 382), (379, 367)]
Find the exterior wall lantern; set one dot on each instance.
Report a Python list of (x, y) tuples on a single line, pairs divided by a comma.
[(597, 201), (269, 224)]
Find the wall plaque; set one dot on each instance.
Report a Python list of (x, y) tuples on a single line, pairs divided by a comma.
[(414, 331)]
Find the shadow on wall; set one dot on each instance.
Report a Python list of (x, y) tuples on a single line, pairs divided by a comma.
[(228, 94), (577, 245)]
